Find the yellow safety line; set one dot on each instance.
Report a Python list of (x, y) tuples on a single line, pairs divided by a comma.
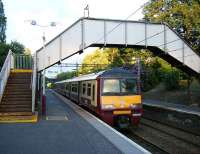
[(19, 121), (8, 119), (21, 71)]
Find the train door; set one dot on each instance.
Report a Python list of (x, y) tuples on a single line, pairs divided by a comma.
[(69, 90), (79, 92), (94, 93)]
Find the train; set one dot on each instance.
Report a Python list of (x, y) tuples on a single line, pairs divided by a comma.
[(113, 95)]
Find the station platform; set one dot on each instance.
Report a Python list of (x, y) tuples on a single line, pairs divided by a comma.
[(193, 110), (67, 128)]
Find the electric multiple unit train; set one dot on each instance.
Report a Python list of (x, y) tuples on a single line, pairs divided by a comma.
[(113, 95)]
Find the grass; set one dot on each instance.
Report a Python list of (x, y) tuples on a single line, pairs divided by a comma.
[(179, 96)]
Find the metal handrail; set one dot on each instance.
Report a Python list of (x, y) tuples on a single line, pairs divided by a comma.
[(5, 72), (33, 81)]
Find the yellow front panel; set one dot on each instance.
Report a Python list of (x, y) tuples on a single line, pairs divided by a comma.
[(121, 101)]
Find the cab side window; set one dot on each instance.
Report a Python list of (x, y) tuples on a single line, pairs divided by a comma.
[(93, 92), (89, 89), (83, 88), (74, 88)]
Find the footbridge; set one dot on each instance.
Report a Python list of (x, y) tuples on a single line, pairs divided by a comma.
[(159, 38)]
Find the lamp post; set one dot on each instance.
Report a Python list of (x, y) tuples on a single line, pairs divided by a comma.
[(52, 24)]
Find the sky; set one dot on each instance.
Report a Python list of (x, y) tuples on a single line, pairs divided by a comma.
[(63, 12)]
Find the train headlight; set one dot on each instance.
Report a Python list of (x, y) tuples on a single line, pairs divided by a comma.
[(108, 106), (137, 109), (135, 106)]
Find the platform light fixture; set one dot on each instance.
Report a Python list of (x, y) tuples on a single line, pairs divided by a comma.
[(51, 24)]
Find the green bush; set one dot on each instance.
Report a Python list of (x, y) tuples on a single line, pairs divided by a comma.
[(150, 79), (171, 80)]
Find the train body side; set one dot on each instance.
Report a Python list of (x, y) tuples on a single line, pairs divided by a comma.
[(113, 108)]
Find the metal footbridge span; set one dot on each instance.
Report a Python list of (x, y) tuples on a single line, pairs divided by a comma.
[(91, 32)]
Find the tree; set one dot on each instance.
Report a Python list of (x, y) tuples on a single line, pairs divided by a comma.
[(27, 51), (2, 24), (4, 48), (14, 46), (65, 75), (181, 15), (17, 47), (98, 60)]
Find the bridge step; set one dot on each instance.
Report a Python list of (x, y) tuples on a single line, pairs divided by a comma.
[(17, 95), (21, 117), (6, 109), (16, 104), (16, 99), (16, 113), (10, 90)]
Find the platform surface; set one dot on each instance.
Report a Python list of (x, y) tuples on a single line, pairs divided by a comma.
[(171, 106), (65, 129)]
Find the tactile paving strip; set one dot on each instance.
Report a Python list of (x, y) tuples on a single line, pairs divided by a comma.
[(57, 118)]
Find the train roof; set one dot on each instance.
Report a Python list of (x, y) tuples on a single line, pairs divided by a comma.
[(115, 72)]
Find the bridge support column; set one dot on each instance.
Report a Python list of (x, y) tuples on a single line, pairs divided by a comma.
[(43, 94)]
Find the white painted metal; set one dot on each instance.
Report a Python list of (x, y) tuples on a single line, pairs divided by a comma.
[(90, 31), (33, 81), (5, 72)]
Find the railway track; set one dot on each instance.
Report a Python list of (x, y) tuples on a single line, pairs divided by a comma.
[(162, 138), (143, 142)]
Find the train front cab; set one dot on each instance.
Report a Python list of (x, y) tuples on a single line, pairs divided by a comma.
[(120, 101)]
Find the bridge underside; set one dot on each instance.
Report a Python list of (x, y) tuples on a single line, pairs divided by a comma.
[(90, 32), (156, 52)]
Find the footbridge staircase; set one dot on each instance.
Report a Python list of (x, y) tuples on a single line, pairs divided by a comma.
[(17, 88)]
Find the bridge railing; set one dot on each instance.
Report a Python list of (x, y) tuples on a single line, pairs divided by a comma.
[(22, 61), (34, 81), (5, 72)]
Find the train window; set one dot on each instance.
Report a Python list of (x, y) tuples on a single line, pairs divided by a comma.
[(89, 89), (67, 87), (128, 86), (93, 92), (84, 89), (74, 88), (111, 86)]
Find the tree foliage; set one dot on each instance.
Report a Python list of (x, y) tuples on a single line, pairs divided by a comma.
[(4, 48), (27, 51), (96, 61), (171, 79), (154, 69), (2, 24), (66, 75), (181, 15), (17, 47), (14, 46)]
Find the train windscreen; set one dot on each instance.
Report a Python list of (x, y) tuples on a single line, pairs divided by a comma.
[(119, 86)]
